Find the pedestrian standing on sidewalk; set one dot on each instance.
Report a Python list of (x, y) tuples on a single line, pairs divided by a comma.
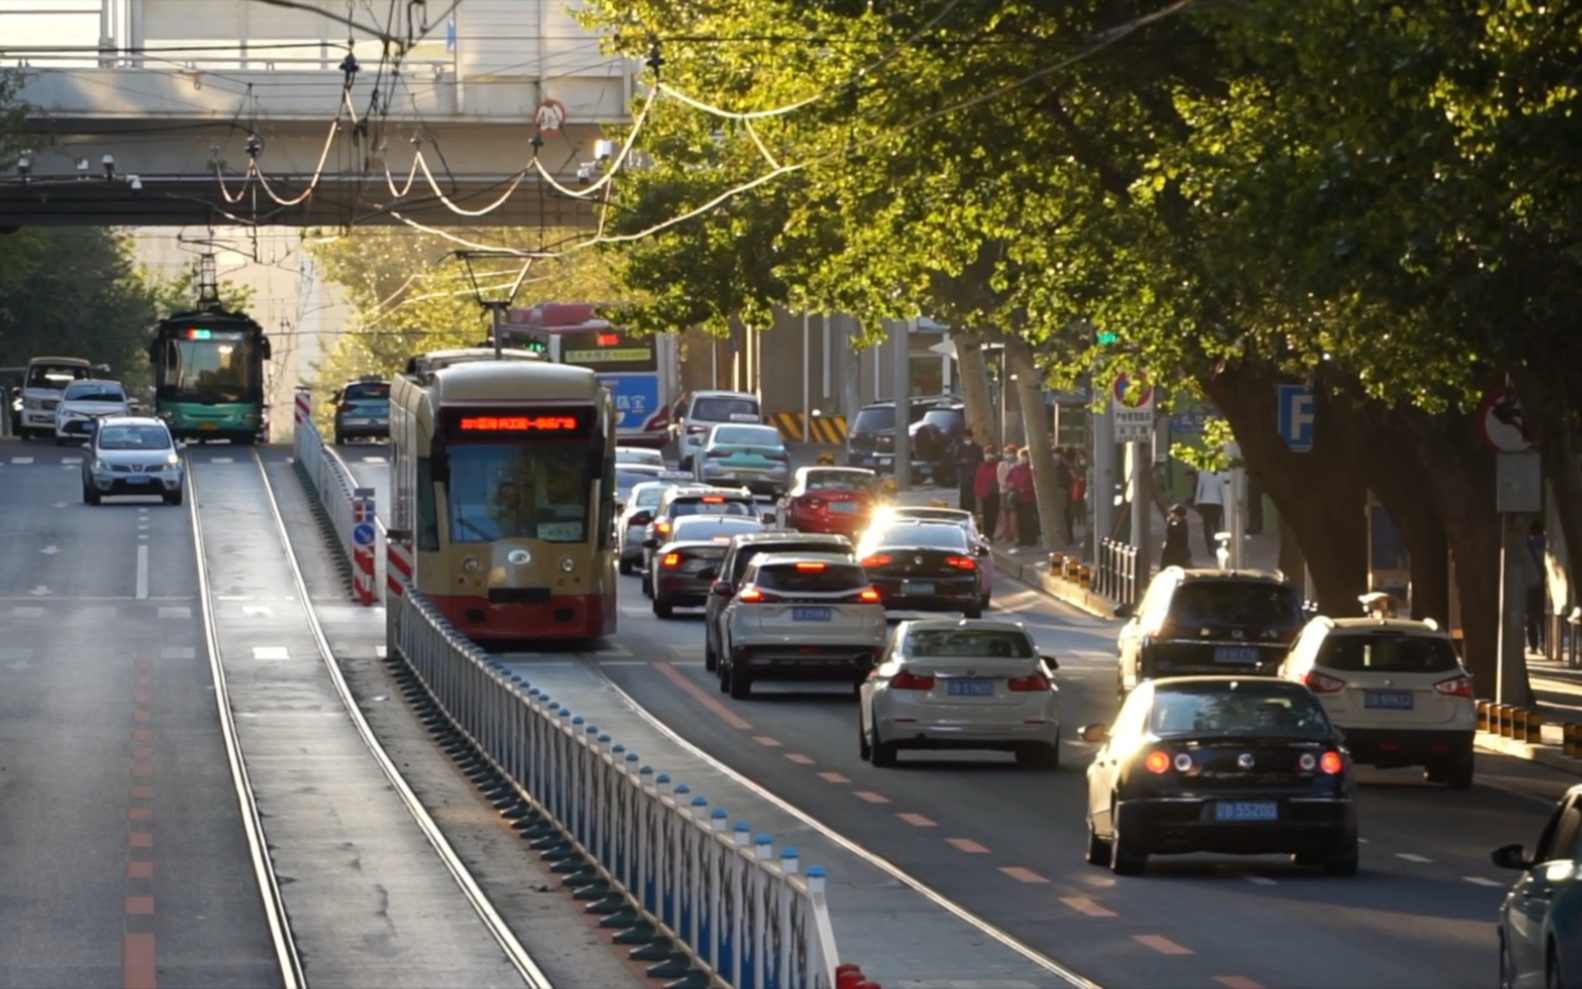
[(1537, 547), (1210, 503), (1020, 480), (1007, 496), (968, 456), (1178, 540), (1064, 479), (986, 486)]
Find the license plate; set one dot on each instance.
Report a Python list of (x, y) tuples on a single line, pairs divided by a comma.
[(138, 479), (357, 422), (843, 508), (209, 425), (970, 688), (1247, 810), (811, 614), (916, 587), (1389, 700), (868, 461), (885, 461), (1235, 654)]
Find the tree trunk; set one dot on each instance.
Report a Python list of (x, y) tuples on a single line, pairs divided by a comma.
[(1321, 493), (1030, 392), (1558, 446), (975, 386)]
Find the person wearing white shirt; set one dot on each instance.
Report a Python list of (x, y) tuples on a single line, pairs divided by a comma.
[(1210, 504)]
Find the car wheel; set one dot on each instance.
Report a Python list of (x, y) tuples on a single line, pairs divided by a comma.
[(663, 609), (173, 498), (1098, 848), (740, 685), (725, 675), (1553, 977), (89, 495), (1039, 756), (648, 589), (60, 440), (1342, 862), (624, 566), (864, 749), (339, 439), (974, 612), (1126, 859), (1459, 775), (1508, 973), (882, 754), (711, 659)]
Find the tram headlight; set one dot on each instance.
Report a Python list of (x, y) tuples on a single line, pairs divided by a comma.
[(567, 564), (471, 564)]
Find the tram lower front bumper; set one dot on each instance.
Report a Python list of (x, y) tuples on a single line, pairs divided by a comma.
[(529, 614)]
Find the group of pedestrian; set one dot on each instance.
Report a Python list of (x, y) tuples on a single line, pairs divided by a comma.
[(998, 486)]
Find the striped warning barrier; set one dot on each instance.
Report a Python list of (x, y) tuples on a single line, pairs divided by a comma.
[(824, 429), (304, 407)]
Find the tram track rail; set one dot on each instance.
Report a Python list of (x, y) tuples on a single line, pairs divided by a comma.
[(517, 956)]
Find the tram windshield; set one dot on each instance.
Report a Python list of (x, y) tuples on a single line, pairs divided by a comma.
[(519, 491)]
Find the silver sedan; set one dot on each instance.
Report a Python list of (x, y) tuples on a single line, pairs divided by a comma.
[(961, 684), (132, 455)]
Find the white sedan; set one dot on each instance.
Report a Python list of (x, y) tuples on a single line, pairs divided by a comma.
[(961, 684)]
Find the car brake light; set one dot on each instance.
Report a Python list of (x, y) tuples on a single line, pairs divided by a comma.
[(1456, 686), (1157, 762), (962, 562), (751, 595), (671, 560), (1323, 683), (810, 566), (1331, 763), (661, 526), (869, 596), (877, 561), (717, 453), (907, 680), (1037, 681), (713, 500)]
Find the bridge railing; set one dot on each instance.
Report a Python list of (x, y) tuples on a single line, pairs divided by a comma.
[(683, 870), (748, 915)]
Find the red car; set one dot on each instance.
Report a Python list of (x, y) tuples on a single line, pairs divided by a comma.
[(837, 500)]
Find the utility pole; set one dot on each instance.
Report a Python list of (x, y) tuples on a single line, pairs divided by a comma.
[(901, 340), (1101, 479), (1141, 454)]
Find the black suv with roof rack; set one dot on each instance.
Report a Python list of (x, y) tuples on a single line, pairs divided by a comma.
[(1193, 622), (935, 426)]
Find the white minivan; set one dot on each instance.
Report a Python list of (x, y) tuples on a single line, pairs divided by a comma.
[(47, 378)]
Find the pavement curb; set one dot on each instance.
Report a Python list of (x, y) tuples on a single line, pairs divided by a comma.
[(1025, 569), (1547, 755)]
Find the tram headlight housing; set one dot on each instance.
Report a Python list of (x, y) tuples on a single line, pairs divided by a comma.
[(471, 564), (567, 564)]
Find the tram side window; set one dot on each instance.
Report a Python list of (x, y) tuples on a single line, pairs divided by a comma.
[(427, 517), (520, 491)]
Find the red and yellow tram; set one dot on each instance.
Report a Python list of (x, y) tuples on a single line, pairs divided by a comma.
[(503, 491)]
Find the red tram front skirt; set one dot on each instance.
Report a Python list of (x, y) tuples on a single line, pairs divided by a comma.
[(568, 616)]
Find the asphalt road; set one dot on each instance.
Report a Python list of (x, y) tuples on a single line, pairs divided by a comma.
[(1007, 842), (121, 846)]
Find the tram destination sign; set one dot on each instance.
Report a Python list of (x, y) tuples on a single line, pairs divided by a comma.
[(517, 422)]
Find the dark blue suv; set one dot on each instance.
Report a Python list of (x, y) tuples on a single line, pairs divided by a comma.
[(362, 410)]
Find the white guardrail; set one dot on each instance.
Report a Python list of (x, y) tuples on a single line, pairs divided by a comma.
[(751, 918)]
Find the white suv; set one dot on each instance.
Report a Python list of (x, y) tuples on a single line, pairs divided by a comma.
[(703, 410), (800, 616), (1396, 688)]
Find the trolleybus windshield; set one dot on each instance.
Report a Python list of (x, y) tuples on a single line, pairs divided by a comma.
[(519, 474), (217, 364)]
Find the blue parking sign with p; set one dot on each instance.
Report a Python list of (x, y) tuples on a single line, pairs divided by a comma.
[(1296, 417)]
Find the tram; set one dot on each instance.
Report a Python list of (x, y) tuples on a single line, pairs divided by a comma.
[(503, 490), (209, 375)]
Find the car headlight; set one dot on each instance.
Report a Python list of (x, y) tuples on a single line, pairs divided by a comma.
[(173, 460), (101, 466)]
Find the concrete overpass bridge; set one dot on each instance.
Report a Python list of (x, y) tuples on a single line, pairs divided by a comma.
[(152, 112)]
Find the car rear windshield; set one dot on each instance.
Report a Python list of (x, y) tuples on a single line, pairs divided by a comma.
[(1244, 707), (746, 554), (647, 497), (724, 409), (935, 535), (371, 392), (839, 480), (1236, 602), (703, 527), (811, 576), (748, 436), (1384, 652), (969, 643), (944, 419), (94, 393), (873, 420), (697, 506)]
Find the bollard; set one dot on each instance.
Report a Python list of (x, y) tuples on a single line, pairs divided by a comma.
[(1483, 716), (1056, 561), (1085, 577), (1507, 720), (1535, 728), (1568, 739), (1518, 724), (1494, 719)]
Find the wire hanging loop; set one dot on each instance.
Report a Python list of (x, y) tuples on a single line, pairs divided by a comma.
[(496, 307)]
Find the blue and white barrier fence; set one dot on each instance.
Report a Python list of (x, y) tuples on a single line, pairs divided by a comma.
[(351, 509), (749, 914)]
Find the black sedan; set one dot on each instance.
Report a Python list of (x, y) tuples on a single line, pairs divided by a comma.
[(1238, 766), (924, 565), (680, 577)]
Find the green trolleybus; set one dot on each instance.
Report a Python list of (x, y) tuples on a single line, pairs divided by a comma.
[(209, 375)]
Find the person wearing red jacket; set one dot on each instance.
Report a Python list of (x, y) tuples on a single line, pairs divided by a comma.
[(1020, 480), (986, 486)]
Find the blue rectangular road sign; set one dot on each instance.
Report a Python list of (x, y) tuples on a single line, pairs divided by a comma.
[(1296, 417)]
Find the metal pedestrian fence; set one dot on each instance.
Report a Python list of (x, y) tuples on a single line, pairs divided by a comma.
[(1116, 576)]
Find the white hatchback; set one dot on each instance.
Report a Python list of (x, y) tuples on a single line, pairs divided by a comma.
[(1397, 689), (802, 616)]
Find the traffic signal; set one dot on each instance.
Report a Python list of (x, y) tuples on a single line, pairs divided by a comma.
[(1105, 338), (534, 346)]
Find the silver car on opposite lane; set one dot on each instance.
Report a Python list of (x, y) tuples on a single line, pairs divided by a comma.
[(132, 455), (961, 684)]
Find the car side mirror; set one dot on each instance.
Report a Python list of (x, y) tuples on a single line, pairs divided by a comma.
[(1050, 662), (1510, 857), (720, 589), (1125, 611), (707, 573), (650, 543), (87, 446), (982, 550), (1094, 734)]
